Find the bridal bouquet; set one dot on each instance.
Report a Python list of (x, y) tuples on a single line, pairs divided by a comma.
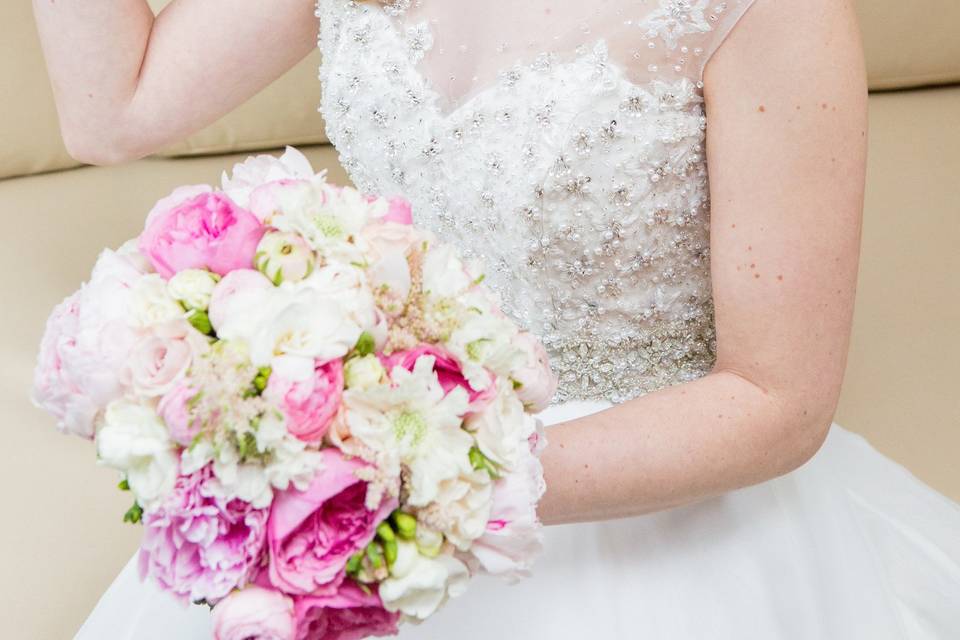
[(324, 420)]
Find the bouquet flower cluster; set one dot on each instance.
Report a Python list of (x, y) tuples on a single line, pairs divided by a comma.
[(325, 422)]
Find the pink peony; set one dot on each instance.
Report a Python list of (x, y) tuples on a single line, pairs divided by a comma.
[(538, 383), (448, 371), (349, 614), (204, 231), (311, 534), (199, 546), (254, 613), (86, 346), (309, 405), (174, 409)]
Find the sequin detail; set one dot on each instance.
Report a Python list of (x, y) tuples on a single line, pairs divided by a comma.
[(585, 194)]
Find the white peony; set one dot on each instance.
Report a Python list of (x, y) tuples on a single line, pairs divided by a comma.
[(514, 536), (193, 287), (418, 585), (135, 441), (260, 169), (411, 420), (502, 428), (151, 303)]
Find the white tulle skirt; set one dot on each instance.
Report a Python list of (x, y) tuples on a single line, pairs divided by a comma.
[(849, 546)]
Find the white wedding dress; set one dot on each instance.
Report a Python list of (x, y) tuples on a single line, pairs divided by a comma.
[(563, 143)]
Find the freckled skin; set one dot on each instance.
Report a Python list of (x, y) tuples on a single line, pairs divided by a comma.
[(761, 109)]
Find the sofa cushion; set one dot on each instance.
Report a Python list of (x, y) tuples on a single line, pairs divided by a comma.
[(910, 44), (30, 142)]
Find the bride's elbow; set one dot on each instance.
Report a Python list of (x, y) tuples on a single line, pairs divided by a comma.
[(803, 436), (100, 150)]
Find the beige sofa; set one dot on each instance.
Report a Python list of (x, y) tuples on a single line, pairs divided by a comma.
[(63, 538)]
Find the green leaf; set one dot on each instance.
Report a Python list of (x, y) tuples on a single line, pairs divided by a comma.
[(134, 514), (201, 322), (479, 461), (124, 485), (366, 344)]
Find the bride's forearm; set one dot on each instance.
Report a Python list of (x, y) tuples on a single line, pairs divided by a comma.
[(675, 446)]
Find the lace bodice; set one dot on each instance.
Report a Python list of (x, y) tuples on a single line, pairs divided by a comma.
[(564, 147)]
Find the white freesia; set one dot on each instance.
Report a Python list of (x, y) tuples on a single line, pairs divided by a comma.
[(260, 169), (193, 287), (412, 421), (418, 585), (135, 441), (502, 428), (152, 304)]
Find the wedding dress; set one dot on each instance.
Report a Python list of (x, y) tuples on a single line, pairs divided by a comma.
[(563, 144)]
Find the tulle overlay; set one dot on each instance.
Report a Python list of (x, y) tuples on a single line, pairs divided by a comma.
[(851, 545)]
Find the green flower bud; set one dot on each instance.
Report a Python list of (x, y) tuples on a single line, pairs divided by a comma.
[(385, 532), (390, 550), (406, 525), (201, 322), (134, 514), (374, 555), (366, 344)]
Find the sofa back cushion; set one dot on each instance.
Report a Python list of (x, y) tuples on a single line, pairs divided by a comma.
[(907, 44)]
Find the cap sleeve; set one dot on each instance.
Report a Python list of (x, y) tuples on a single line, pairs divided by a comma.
[(682, 35)]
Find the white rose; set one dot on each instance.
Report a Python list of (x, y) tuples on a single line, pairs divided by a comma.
[(152, 304), (363, 373), (502, 428), (193, 287), (418, 585), (242, 302), (135, 441)]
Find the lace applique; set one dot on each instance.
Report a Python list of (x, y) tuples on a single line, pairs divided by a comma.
[(582, 189)]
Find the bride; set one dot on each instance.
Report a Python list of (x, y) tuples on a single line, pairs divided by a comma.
[(697, 485)]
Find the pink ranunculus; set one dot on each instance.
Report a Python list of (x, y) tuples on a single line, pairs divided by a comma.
[(205, 231), (349, 614), (310, 404), (448, 371), (311, 534), (199, 546), (174, 409), (538, 383), (255, 613)]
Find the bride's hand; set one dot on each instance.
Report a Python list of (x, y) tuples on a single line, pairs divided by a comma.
[(127, 83)]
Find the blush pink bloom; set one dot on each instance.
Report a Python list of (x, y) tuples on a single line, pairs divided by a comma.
[(265, 200), (447, 368), (204, 231), (400, 211), (254, 613), (174, 409), (349, 614), (538, 383), (199, 546), (309, 405), (86, 347), (311, 534)]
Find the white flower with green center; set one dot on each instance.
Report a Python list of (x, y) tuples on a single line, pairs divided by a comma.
[(483, 342), (328, 217), (413, 423)]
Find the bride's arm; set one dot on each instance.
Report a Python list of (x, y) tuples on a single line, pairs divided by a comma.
[(127, 83), (786, 102)]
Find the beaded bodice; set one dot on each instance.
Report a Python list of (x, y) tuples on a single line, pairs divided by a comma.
[(569, 160)]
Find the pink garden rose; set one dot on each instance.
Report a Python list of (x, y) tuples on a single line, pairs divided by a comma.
[(309, 405), (448, 371), (159, 359), (204, 231), (174, 409), (254, 613), (349, 614), (400, 211), (538, 383), (311, 534), (199, 546)]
